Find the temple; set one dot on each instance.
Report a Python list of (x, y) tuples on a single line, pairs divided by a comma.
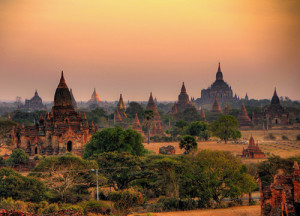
[(35, 103), (95, 101), (60, 131), (156, 122), (219, 89), (253, 151), (137, 125), (282, 197), (121, 107), (183, 102), (243, 118), (216, 107), (274, 114)]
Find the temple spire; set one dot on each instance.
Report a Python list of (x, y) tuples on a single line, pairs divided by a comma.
[(275, 98), (183, 89), (219, 68), (62, 82)]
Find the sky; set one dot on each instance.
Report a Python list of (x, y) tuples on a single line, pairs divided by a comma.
[(135, 47)]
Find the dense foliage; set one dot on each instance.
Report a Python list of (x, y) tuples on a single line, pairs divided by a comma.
[(114, 139), (18, 157), (20, 187)]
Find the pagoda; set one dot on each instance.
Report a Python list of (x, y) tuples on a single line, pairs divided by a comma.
[(202, 114), (137, 125), (216, 107), (60, 131), (156, 122), (253, 151), (183, 102), (35, 103), (121, 107), (243, 118), (275, 113)]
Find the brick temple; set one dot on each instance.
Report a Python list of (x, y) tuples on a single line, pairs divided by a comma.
[(35, 103), (216, 106), (243, 118), (60, 131), (253, 151), (183, 102), (282, 197)]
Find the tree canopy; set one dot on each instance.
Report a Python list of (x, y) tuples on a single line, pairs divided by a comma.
[(114, 139), (18, 157), (225, 128), (189, 143)]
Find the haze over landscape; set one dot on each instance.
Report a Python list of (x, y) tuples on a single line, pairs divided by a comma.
[(134, 47)]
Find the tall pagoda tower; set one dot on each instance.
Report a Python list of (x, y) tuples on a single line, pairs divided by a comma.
[(156, 124)]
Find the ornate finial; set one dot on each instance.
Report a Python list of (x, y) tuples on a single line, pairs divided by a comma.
[(62, 82)]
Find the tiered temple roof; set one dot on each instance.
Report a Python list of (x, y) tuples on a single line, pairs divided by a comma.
[(73, 99), (60, 131)]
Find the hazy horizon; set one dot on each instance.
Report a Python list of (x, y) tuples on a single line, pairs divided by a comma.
[(136, 47)]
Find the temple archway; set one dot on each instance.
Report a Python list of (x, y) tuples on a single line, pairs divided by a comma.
[(69, 146), (35, 150)]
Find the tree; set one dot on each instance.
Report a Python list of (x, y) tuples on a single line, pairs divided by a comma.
[(148, 121), (120, 169), (199, 129), (114, 139), (168, 172), (214, 175), (20, 187), (62, 173), (189, 143), (17, 158), (126, 199), (134, 108), (225, 127), (5, 129)]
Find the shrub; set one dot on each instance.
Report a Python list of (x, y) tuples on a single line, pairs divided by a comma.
[(52, 208), (285, 137), (172, 204), (10, 204), (2, 161), (271, 136), (17, 157), (76, 208), (94, 206), (125, 200), (38, 157)]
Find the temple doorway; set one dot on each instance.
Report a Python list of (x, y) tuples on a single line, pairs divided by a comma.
[(35, 150), (69, 146)]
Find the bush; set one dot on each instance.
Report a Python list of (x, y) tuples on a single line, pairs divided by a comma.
[(76, 208), (94, 206), (172, 204), (38, 157), (10, 204), (2, 161), (298, 137), (271, 136), (125, 200), (285, 137), (17, 157), (52, 208)]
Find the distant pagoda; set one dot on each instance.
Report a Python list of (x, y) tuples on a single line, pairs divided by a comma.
[(216, 107), (243, 118), (137, 125), (156, 123), (35, 103), (121, 107), (183, 102), (202, 114)]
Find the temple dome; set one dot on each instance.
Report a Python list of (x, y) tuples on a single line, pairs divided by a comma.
[(62, 97)]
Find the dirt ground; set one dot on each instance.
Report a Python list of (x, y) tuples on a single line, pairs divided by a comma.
[(234, 211), (283, 148)]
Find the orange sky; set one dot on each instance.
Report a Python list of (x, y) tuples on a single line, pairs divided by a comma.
[(137, 46)]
